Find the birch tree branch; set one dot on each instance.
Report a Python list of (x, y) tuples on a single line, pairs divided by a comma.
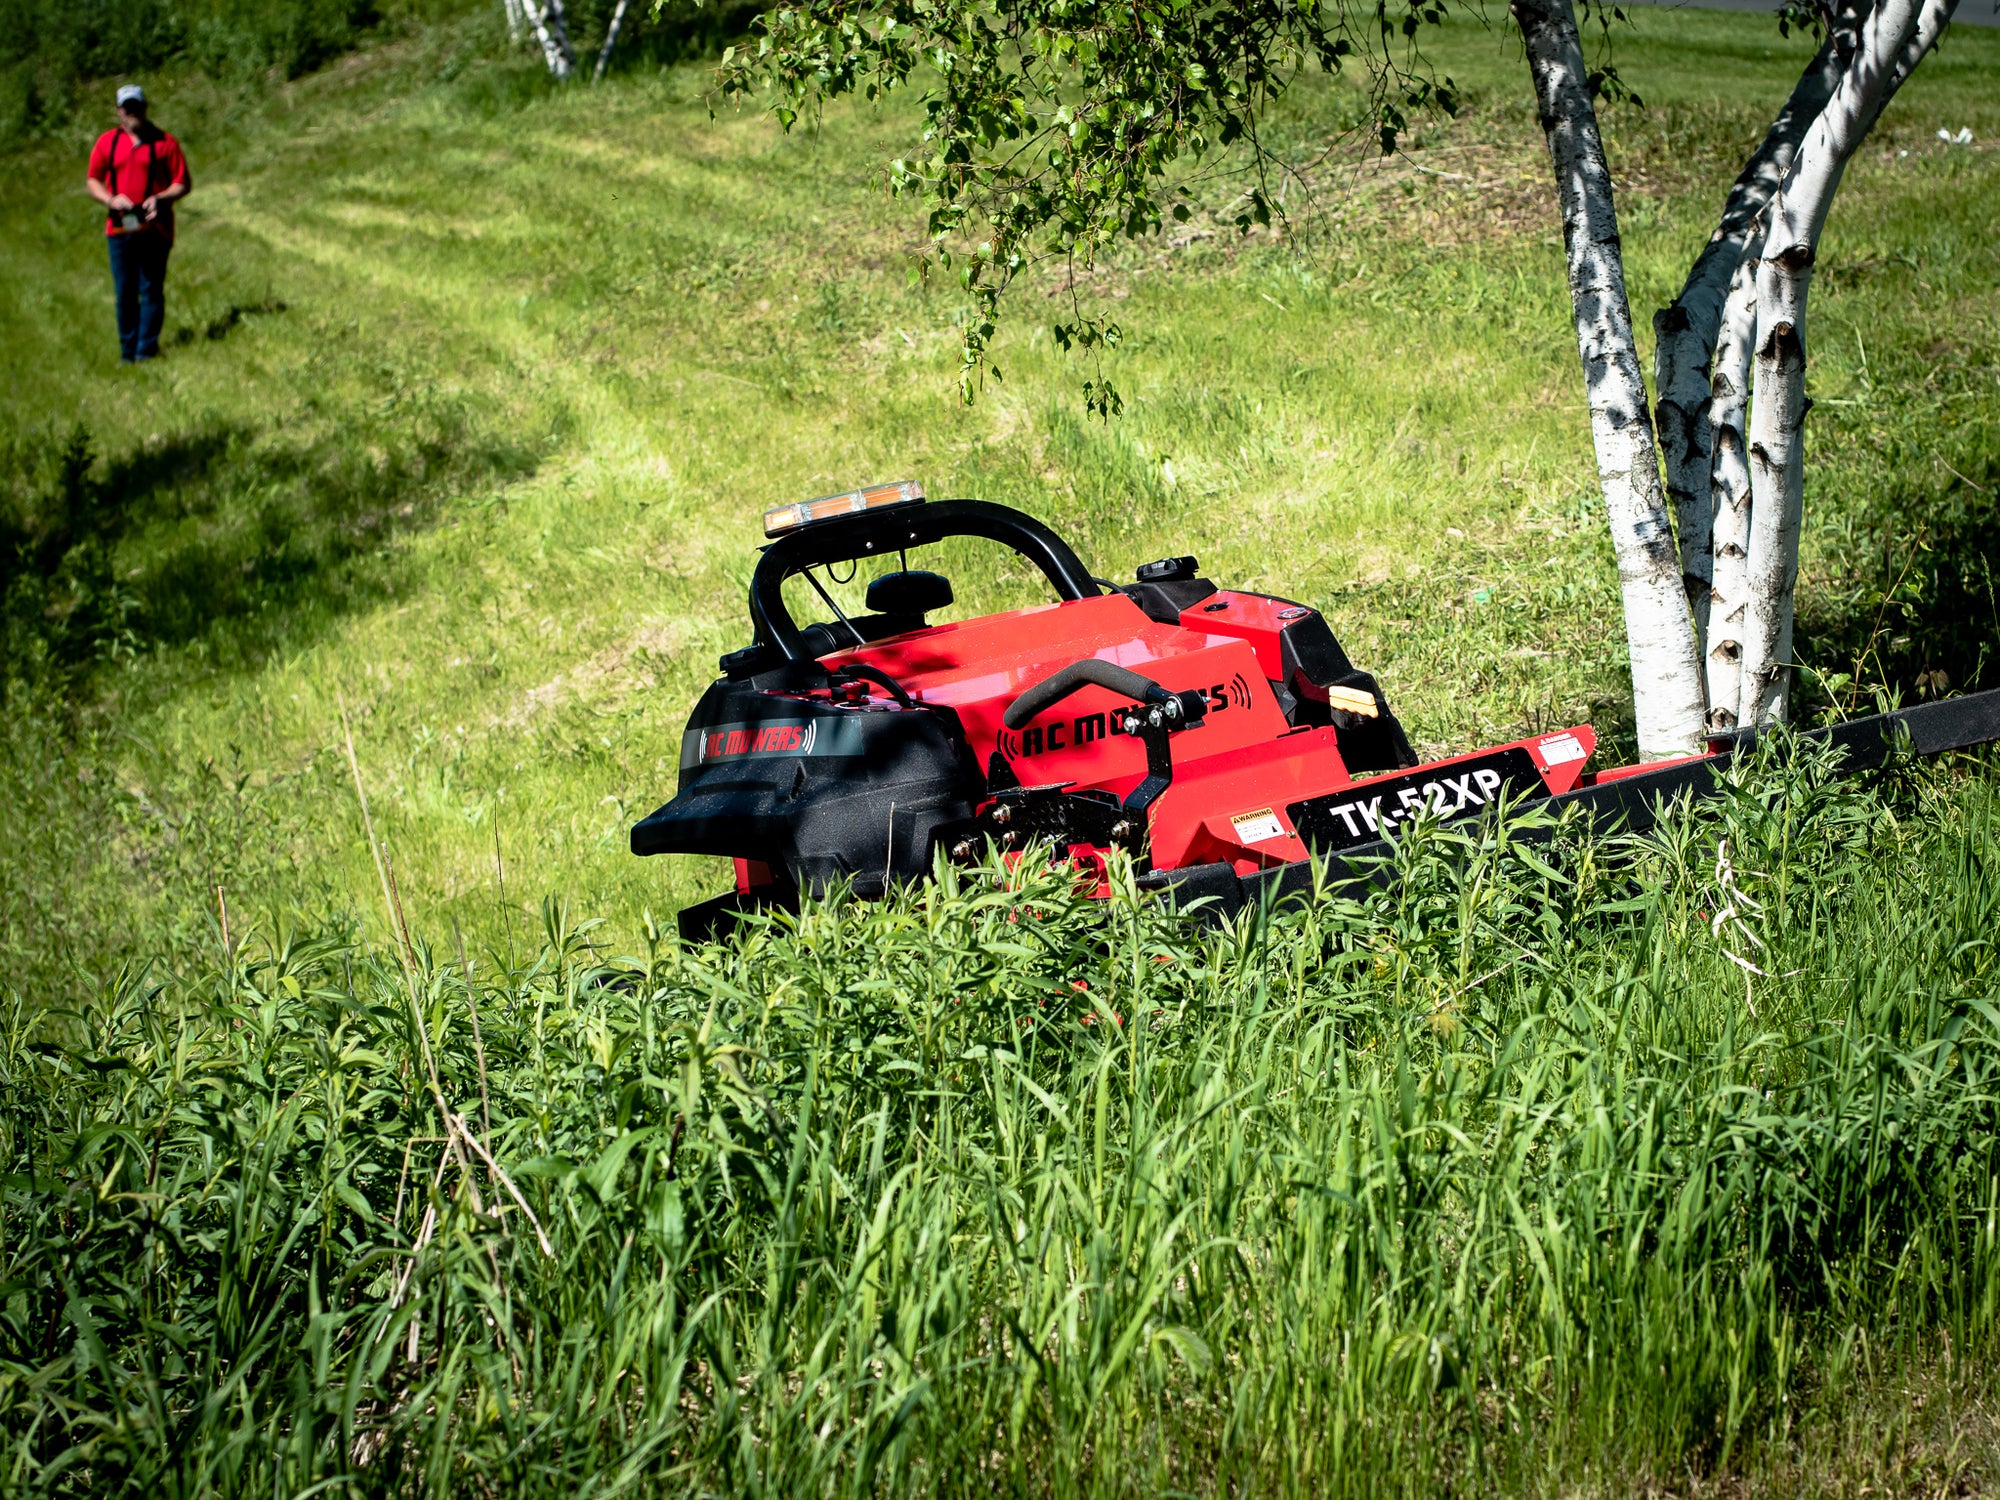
[(1932, 19), (1894, 39), (1728, 412), (610, 41), (1666, 671), (553, 34), (1685, 332)]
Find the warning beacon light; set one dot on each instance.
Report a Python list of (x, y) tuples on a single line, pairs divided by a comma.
[(791, 517)]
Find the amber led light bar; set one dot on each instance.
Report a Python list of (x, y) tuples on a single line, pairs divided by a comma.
[(790, 517)]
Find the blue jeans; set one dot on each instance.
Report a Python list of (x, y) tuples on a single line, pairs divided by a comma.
[(139, 278)]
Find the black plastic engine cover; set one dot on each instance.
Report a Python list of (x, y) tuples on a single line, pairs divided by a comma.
[(815, 789), (1165, 600), (1313, 663)]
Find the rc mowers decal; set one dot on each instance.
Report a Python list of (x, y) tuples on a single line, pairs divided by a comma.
[(819, 737), (1057, 732), (1375, 809)]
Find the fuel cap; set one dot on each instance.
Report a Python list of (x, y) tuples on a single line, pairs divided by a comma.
[(1168, 570)]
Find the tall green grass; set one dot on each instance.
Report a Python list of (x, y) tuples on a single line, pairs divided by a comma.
[(1502, 1172), (1496, 1177)]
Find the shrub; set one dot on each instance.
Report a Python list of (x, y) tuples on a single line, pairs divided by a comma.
[(50, 48)]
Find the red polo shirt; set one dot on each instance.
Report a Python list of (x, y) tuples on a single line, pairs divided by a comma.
[(139, 171)]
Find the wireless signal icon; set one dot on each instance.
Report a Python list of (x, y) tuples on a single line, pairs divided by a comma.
[(1239, 691)]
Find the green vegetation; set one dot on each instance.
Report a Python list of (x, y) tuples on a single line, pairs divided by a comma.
[(58, 57), (478, 390), (474, 392), (1498, 1178), (51, 49)]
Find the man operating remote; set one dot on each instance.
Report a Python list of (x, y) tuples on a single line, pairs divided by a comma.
[(137, 172)]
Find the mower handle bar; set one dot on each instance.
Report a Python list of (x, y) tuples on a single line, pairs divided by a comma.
[(888, 531), (1090, 672)]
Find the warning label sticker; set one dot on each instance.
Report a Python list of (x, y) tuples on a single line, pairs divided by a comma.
[(1561, 749), (1256, 827)]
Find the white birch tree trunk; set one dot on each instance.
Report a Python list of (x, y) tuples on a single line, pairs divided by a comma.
[(610, 41), (1666, 671), (1777, 489), (1685, 332), (513, 9), (1894, 39), (550, 31), (1728, 411)]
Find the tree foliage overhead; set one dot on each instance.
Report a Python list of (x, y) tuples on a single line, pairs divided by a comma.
[(1054, 126)]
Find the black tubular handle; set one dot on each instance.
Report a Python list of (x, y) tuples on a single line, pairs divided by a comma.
[(1089, 672), (894, 529)]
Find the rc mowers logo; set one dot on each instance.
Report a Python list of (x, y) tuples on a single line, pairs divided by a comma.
[(757, 739), (1375, 809), (821, 738), (1057, 732)]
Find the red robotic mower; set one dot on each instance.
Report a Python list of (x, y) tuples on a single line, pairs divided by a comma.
[(1221, 738)]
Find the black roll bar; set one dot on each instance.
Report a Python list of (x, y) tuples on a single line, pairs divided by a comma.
[(891, 529)]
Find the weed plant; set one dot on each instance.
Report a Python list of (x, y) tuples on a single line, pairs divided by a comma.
[(1500, 1171)]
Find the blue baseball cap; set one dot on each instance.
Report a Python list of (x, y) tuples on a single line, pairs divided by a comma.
[(131, 93)]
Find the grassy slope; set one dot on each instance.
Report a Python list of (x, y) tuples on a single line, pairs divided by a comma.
[(496, 465), (492, 474)]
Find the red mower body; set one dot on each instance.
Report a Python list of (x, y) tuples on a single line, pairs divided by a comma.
[(1212, 734), (1222, 739), (1237, 774)]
